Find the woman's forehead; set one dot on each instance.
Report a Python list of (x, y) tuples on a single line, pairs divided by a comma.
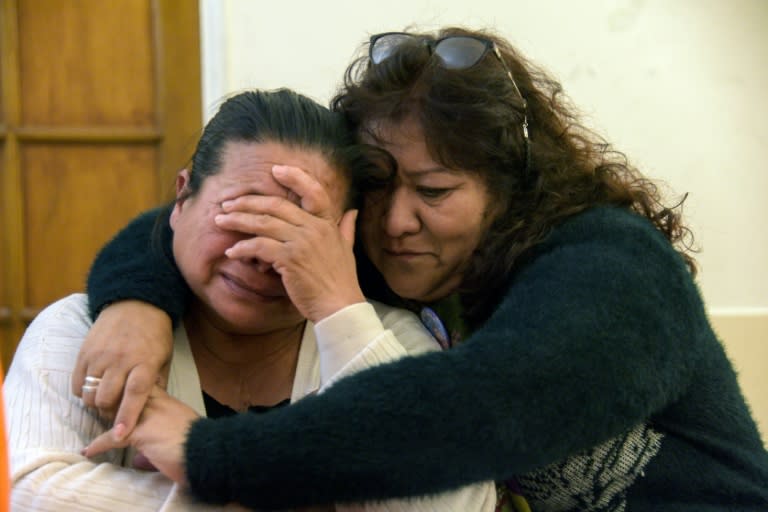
[(248, 166)]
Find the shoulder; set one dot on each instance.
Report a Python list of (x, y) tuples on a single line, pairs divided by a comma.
[(607, 222), (611, 258), (614, 225), (612, 237), (605, 254), (53, 339)]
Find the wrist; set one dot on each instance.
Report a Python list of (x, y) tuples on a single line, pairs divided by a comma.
[(331, 307)]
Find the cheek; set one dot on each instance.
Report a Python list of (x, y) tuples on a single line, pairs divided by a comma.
[(458, 232), (212, 243), (198, 243)]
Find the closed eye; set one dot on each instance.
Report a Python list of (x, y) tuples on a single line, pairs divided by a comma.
[(432, 192)]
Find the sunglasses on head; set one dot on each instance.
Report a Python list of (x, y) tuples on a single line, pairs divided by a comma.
[(453, 52)]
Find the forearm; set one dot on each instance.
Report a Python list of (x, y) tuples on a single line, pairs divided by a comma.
[(531, 387), (61, 483), (48, 427), (394, 435), (365, 335), (66, 481), (138, 264), (357, 338), (47, 430)]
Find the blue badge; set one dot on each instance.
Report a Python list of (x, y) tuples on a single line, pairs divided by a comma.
[(435, 326)]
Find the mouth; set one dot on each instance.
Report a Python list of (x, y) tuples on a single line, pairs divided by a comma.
[(250, 291), (402, 254)]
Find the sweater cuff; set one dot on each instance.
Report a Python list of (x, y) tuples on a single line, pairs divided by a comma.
[(343, 335), (206, 461)]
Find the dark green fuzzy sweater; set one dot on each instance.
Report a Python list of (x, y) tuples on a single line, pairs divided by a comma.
[(597, 382)]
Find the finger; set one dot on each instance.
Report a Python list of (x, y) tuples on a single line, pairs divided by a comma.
[(103, 443), (78, 375), (347, 225), (266, 250), (138, 387), (314, 197), (88, 390), (256, 206), (278, 226), (111, 389)]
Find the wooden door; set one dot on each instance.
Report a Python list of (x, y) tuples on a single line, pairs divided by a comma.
[(101, 106)]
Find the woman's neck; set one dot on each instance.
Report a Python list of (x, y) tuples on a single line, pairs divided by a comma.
[(244, 370)]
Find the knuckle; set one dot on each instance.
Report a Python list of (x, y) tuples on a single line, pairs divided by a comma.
[(263, 219), (103, 402), (140, 386), (272, 204)]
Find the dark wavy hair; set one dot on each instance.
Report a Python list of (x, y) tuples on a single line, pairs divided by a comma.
[(472, 120)]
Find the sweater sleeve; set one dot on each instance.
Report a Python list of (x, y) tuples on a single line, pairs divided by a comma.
[(564, 363), (48, 426), (369, 334), (138, 264)]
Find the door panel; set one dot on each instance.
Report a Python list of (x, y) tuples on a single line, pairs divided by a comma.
[(100, 108), (102, 70), (76, 198)]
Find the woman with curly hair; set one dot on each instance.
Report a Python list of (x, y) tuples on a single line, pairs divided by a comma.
[(580, 369)]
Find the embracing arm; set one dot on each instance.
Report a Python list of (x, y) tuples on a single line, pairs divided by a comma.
[(533, 385), (48, 428), (129, 345), (138, 264), (370, 334)]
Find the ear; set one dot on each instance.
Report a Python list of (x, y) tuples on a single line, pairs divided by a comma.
[(182, 191)]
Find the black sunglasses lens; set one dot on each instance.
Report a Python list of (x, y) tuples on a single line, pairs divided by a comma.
[(460, 52), (384, 46)]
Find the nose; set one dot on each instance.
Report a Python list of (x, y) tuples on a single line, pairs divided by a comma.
[(400, 217)]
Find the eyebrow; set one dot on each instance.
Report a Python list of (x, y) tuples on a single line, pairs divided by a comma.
[(430, 170)]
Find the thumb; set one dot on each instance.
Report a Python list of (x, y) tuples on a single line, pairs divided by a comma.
[(347, 225), (137, 391), (103, 443)]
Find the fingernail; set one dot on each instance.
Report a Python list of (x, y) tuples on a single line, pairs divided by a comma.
[(218, 218), (84, 451), (278, 169), (227, 204)]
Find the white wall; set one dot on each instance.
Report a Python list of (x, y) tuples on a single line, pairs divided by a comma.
[(678, 85)]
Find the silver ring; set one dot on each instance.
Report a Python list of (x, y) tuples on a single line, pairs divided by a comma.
[(92, 381), (89, 389)]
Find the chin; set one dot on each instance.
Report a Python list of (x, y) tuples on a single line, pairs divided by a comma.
[(406, 290), (251, 318)]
